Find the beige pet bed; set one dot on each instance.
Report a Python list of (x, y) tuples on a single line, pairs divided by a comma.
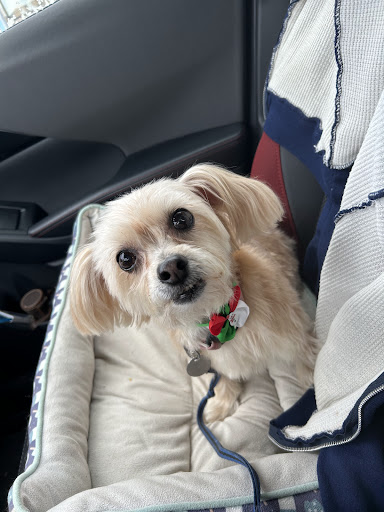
[(113, 426)]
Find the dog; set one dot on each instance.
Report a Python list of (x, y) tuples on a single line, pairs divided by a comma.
[(196, 254)]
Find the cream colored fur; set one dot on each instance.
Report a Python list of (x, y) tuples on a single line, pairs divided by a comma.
[(235, 238)]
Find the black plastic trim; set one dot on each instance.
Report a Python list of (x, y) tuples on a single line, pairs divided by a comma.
[(54, 173), (23, 248), (12, 143), (267, 18), (23, 214), (224, 145)]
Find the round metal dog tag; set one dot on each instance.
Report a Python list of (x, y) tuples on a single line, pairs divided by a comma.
[(198, 366)]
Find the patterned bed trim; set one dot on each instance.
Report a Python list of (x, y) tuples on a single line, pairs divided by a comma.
[(35, 425), (309, 501)]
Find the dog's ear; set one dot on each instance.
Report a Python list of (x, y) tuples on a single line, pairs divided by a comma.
[(249, 206), (93, 308)]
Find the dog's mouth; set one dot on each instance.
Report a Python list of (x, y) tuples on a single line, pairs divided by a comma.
[(189, 293)]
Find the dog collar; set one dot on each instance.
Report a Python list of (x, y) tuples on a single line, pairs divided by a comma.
[(231, 316)]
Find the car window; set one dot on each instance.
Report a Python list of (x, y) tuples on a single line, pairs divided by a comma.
[(14, 11)]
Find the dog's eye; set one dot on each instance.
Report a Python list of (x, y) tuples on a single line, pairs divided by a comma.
[(182, 219), (126, 260)]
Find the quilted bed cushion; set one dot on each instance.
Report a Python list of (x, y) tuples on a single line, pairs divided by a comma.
[(113, 425)]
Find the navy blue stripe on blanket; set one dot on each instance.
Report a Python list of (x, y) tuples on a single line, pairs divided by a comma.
[(289, 127), (302, 410)]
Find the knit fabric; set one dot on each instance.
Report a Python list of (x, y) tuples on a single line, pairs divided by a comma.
[(350, 316), (350, 313), (329, 64)]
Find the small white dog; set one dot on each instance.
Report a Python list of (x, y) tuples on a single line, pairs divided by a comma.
[(204, 248)]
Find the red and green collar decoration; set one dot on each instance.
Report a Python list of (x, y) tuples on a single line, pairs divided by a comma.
[(231, 316)]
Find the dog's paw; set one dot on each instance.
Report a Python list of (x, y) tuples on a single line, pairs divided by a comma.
[(218, 410), (225, 402)]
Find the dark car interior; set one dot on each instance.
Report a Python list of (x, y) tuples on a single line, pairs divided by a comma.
[(96, 98)]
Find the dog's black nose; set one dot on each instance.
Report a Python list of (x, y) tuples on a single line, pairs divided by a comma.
[(173, 270)]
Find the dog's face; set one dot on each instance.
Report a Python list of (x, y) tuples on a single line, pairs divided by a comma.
[(162, 251), (165, 250)]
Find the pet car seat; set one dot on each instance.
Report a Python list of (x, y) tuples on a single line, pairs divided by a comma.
[(111, 429)]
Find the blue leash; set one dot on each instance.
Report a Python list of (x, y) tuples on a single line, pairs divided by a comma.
[(223, 452)]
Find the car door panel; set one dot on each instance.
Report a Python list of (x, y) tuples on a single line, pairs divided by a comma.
[(96, 98), (130, 74)]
